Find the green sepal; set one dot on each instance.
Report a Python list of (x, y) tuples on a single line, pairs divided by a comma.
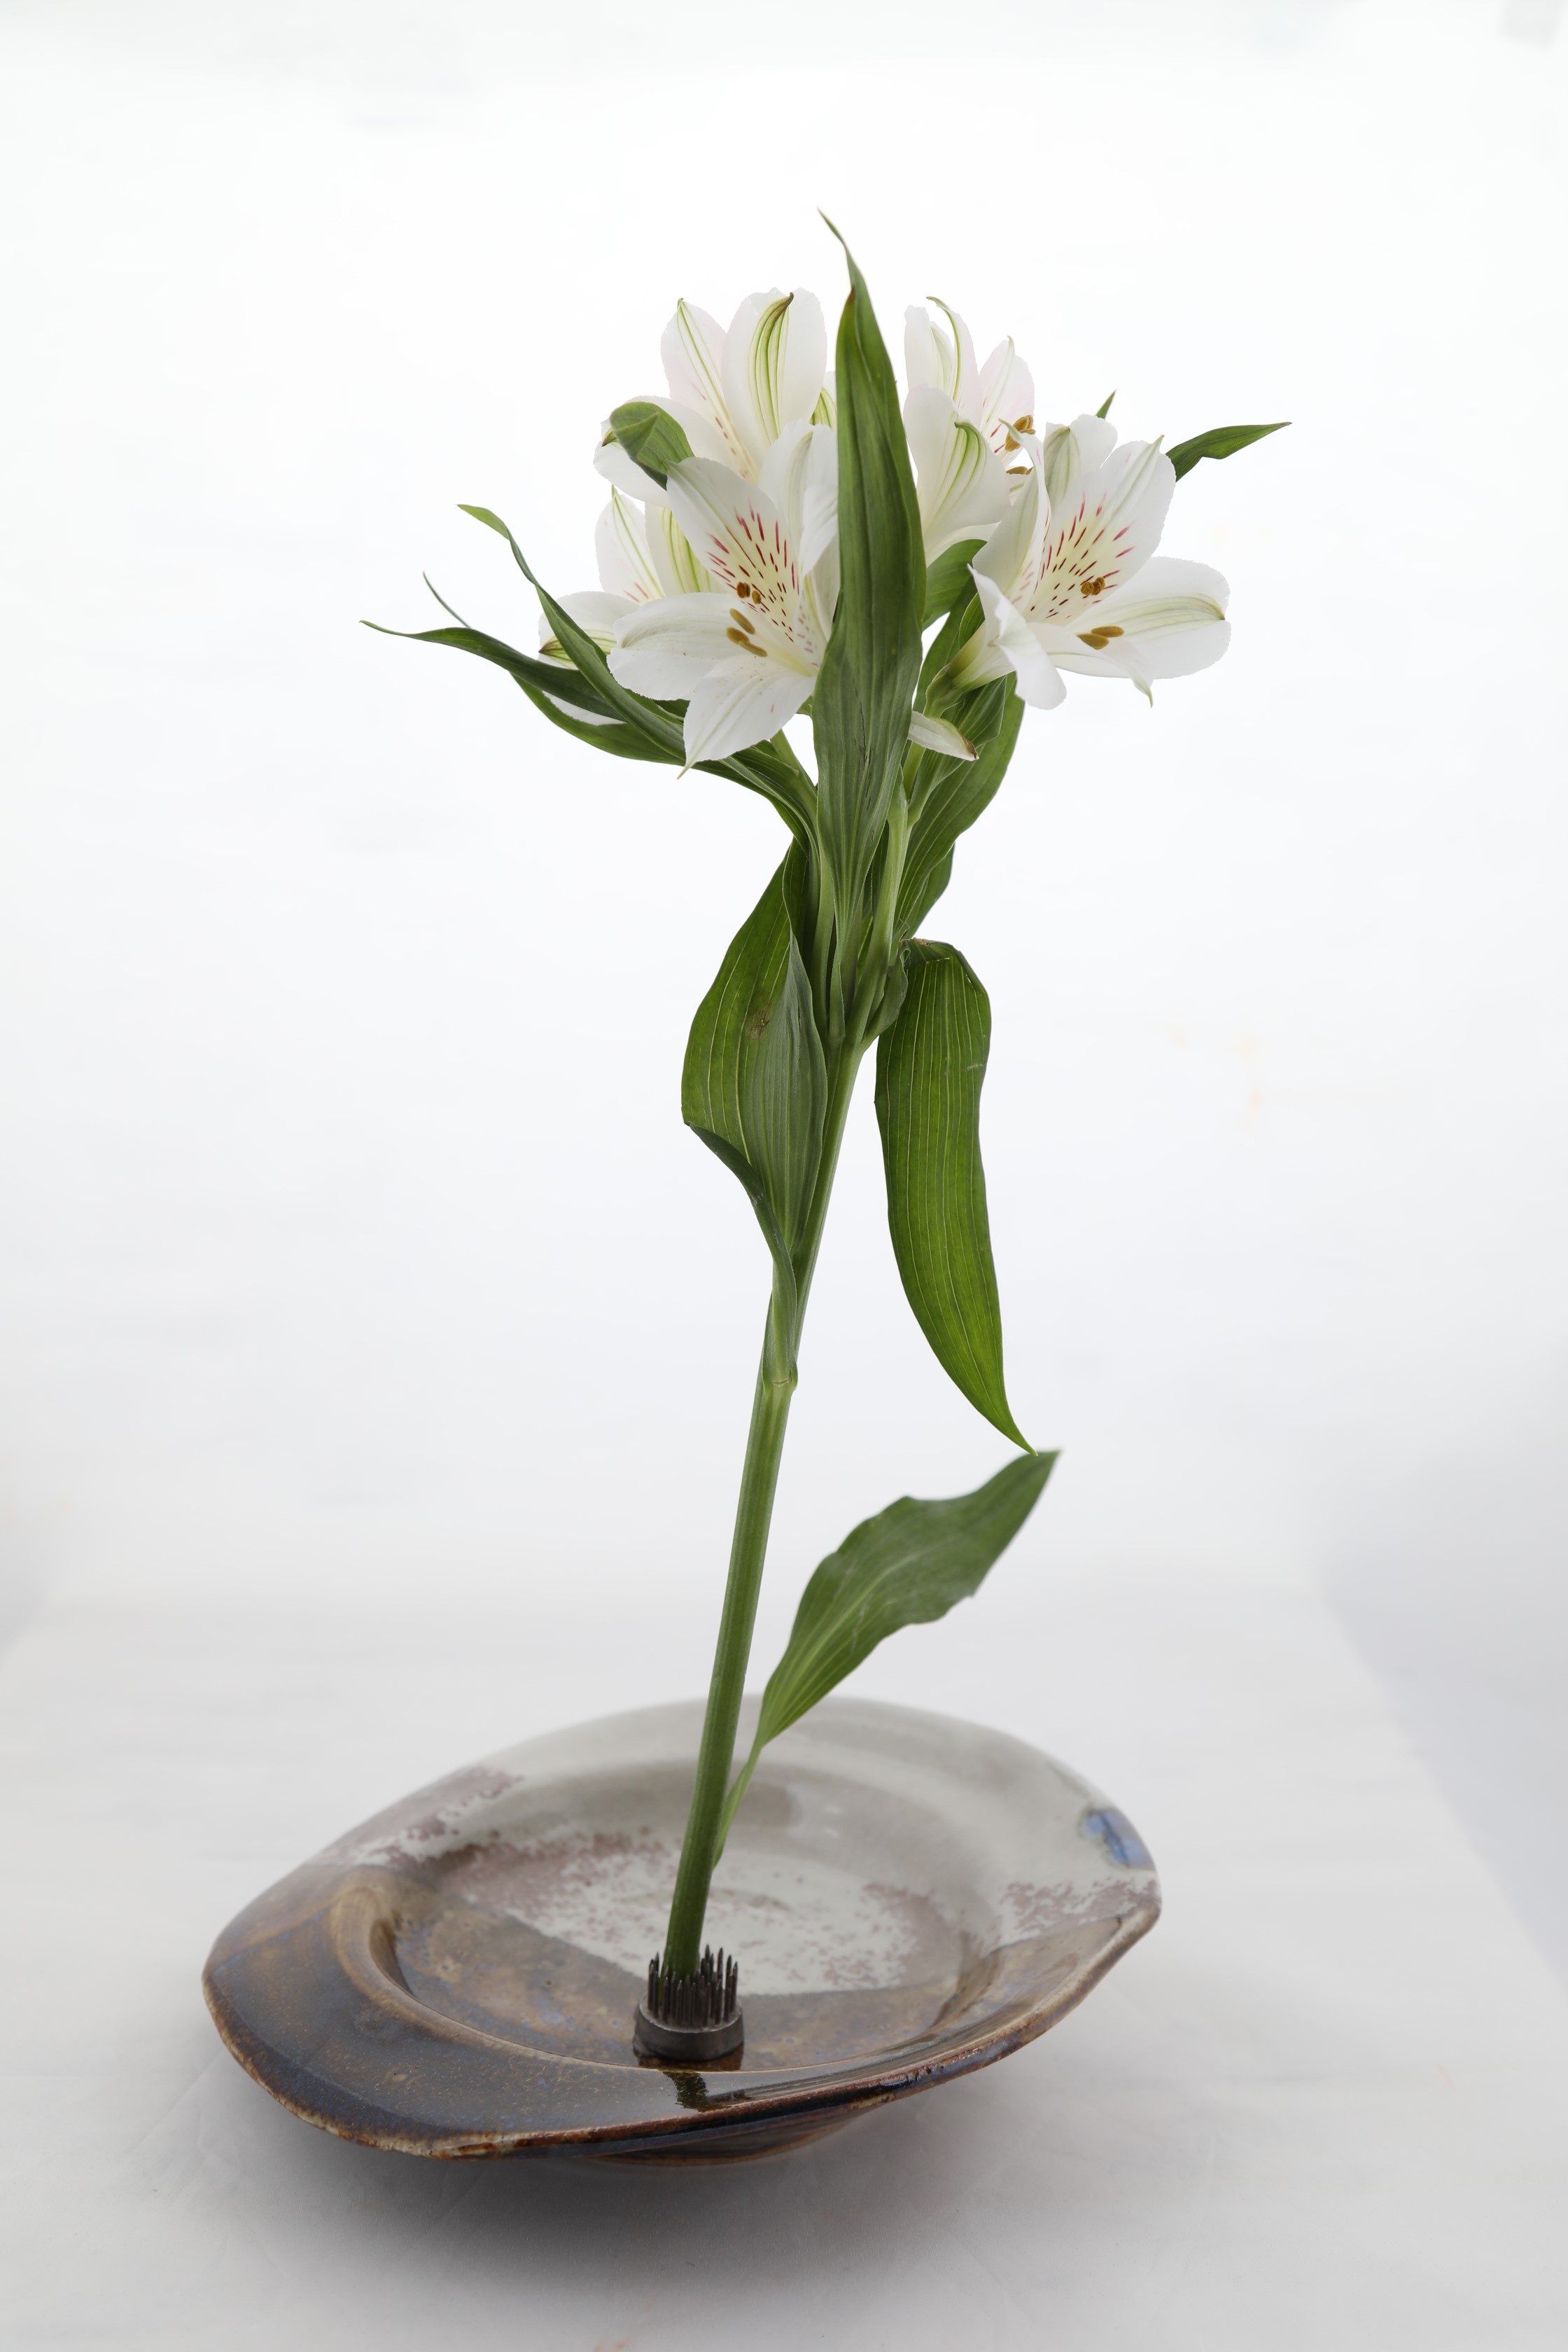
[(1221, 441), (1104, 408), (861, 702), (930, 1066), (651, 437), (908, 1566)]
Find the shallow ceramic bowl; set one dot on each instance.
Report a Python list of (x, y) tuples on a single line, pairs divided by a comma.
[(909, 1896)]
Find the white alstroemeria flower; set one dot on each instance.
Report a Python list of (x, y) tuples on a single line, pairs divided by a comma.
[(640, 558), (1076, 585), (733, 394), (998, 398), (744, 656)]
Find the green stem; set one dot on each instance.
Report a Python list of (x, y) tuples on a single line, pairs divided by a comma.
[(748, 1550)]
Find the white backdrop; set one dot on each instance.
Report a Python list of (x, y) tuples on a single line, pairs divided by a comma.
[(354, 1247)]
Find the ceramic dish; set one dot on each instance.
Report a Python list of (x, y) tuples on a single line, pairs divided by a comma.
[(910, 1897)]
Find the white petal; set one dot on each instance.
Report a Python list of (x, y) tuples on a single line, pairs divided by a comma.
[(1069, 450), (741, 701), (598, 614), (780, 476), (1004, 396), (620, 543), (925, 355), (962, 485), (664, 649), (1109, 526), (693, 353), (775, 358), (937, 735), (679, 572), (738, 532), (819, 506), (942, 355), (800, 474), (612, 461), (1014, 553), (1168, 623), (1019, 646)]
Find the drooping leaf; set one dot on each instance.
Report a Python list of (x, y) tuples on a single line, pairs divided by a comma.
[(906, 1566), (528, 670), (754, 1082), (765, 769), (651, 438), (586, 656), (948, 794), (1221, 441), (948, 579), (611, 735), (860, 705), (930, 1066)]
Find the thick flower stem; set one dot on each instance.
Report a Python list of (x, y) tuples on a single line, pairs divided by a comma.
[(748, 1551)]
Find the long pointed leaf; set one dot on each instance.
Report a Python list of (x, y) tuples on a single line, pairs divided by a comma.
[(906, 1566), (860, 705), (1220, 441), (931, 1065)]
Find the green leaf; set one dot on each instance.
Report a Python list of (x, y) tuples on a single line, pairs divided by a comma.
[(1104, 408), (528, 670), (754, 1083), (930, 1066), (860, 706), (764, 768), (611, 735), (651, 437), (948, 794), (587, 657), (948, 579), (906, 1566), (1222, 441)]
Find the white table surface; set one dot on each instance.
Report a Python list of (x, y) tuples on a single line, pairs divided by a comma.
[(1322, 2105)]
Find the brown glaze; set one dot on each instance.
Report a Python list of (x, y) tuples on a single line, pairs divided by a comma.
[(457, 1979)]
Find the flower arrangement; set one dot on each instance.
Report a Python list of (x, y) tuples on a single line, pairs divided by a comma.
[(785, 541)]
